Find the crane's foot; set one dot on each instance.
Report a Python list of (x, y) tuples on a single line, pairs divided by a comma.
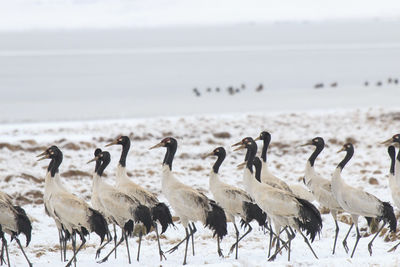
[(162, 255), (232, 248), (346, 248), (220, 253), (370, 249), (103, 260)]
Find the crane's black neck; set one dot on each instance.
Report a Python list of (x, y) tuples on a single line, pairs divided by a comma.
[(318, 148), (257, 166), (220, 159), (264, 150), (170, 154), (349, 154), (105, 160), (51, 164), (252, 150), (392, 154), (125, 149), (98, 163), (57, 159)]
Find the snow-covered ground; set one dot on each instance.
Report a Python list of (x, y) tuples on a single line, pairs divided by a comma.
[(22, 176)]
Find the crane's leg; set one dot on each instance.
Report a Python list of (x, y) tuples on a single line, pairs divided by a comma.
[(127, 245), (278, 249), (67, 235), (290, 237), (74, 246), (80, 247), (98, 251), (370, 243), (336, 236), (140, 243), (115, 241), (23, 252), (159, 244), (358, 239), (346, 248), (308, 244), (2, 254), (238, 240), (235, 244), (187, 244), (114, 248), (192, 231), (5, 246), (177, 245), (61, 240), (271, 233), (394, 248), (219, 250)]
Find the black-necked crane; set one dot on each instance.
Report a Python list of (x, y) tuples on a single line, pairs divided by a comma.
[(234, 201), (72, 212), (357, 202), (13, 221), (123, 209), (159, 210), (282, 207), (54, 179), (267, 176), (321, 188), (189, 204)]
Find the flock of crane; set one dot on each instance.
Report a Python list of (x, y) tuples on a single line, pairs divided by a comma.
[(265, 199)]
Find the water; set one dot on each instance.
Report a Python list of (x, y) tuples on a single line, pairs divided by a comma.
[(138, 72)]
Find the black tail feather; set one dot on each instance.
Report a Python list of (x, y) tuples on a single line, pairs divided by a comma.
[(388, 216), (216, 220), (254, 212), (162, 213), (24, 225), (1, 233), (142, 214), (98, 224), (128, 228), (310, 219)]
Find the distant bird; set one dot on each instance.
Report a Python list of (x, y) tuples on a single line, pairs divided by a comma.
[(358, 202), (208, 90), (123, 209), (390, 80), (231, 91), (366, 83), (282, 207), (320, 187), (318, 86), (237, 90), (189, 204), (260, 88), (159, 210), (72, 212), (196, 92), (243, 86), (395, 81), (13, 221), (234, 201), (334, 84), (217, 89), (378, 83)]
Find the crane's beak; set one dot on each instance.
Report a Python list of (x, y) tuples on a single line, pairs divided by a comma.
[(241, 165), (242, 146), (43, 156), (257, 138), (387, 142), (237, 144), (112, 143), (161, 144), (307, 144), (342, 149), (207, 155), (93, 159)]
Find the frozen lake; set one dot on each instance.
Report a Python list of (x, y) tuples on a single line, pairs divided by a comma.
[(89, 74)]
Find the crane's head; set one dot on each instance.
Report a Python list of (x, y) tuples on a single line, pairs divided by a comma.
[(317, 141), (97, 152), (121, 140), (103, 156), (347, 147), (265, 136), (166, 142), (242, 143), (395, 139), (219, 152), (50, 153)]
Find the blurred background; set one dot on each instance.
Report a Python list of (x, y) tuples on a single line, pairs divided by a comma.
[(103, 59)]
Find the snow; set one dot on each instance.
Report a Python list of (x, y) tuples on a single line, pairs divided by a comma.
[(103, 14), (366, 127)]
